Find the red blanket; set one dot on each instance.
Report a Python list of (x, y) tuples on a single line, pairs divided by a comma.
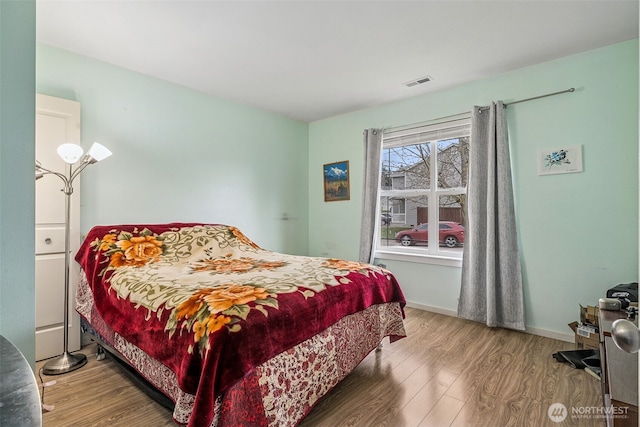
[(211, 305)]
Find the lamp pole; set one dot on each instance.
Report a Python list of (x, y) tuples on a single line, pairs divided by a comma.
[(68, 362)]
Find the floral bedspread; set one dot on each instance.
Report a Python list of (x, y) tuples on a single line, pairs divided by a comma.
[(211, 306)]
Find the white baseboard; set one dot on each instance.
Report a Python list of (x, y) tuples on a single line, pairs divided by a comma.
[(432, 309), (560, 336), (568, 337)]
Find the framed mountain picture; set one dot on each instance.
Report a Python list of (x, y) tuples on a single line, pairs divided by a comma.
[(336, 181)]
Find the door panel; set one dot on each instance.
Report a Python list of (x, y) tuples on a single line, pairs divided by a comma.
[(50, 133), (50, 295), (57, 122)]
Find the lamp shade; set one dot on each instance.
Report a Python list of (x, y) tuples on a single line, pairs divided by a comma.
[(70, 153), (98, 152)]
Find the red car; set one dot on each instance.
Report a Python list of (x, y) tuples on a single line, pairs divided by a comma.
[(451, 234)]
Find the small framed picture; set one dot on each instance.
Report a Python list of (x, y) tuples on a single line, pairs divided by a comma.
[(336, 181), (560, 160)]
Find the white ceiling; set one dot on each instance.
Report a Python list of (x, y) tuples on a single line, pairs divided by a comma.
[(309, 60)]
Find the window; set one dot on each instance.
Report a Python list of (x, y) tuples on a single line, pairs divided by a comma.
[(423, 191)]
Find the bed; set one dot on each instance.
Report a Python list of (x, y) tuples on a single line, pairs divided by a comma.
[(232, 334)]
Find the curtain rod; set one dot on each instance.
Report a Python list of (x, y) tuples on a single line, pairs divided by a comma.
[(541, 96), (411, 126)]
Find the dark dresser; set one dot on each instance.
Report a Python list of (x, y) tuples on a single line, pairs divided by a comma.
[(619, 375)]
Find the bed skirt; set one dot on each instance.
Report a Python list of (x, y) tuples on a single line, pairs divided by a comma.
[(282, 390)]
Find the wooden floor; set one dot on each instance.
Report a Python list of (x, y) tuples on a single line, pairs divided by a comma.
[(447, 372)]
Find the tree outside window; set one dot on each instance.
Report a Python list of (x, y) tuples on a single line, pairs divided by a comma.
[(423, 191)]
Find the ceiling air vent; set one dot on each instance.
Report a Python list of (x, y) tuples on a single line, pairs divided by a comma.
[(419, 81)]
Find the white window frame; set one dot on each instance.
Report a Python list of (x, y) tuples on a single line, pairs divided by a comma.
[(447, 128)]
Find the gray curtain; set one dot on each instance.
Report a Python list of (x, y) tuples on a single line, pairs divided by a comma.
[(372, 151), (491, 289)]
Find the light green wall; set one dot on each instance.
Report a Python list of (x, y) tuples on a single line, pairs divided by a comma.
[(180, 155), (578, 232), (17, 183)]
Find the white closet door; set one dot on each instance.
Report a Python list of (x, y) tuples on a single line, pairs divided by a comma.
[(57, 122)]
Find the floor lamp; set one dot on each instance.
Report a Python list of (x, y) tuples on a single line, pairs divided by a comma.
[(70, 153)]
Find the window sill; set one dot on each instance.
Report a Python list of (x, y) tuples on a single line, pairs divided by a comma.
[(419, 258)]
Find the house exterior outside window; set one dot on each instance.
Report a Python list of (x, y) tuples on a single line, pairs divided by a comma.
[(423, 190)]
